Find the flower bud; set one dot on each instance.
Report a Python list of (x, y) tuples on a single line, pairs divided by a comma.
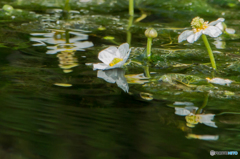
[(151, 33), (7, 8), (197, 22)]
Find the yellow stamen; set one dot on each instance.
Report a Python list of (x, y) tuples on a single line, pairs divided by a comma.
[(115, 61)]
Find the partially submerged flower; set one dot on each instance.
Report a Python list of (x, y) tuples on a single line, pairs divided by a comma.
[(113, 57), (200, 27), (219, 81)]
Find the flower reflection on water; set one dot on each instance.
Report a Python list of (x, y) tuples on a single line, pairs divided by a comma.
[(114, 76), (192, 118)]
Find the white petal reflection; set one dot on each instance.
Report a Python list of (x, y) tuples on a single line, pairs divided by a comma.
[(181, 111), (146, 96), (77, 46), (207, 120), (202, 137), (183, 103), (114, 75), (137, 78)]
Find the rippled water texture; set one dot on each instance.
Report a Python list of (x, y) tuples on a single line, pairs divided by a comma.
[(55, 106)]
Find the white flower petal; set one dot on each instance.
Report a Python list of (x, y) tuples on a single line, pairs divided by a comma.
[(230, 31), (184, 35), (220, 26), (100, 66), (107, 55), (197, 35), (123, 50), (121, 63), (216, 21), (191, 38), (212, 31)]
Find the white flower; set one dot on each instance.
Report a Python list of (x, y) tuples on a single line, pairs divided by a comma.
[(219, 81), (200, 27), (113, 57), (114, 75)]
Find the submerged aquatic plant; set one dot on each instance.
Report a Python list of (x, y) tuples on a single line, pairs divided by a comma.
[(113, 57), (150, 33), (202, 28)]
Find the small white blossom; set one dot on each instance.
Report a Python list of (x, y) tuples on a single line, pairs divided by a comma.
[(200, 27), (219, 81), (113, 57)]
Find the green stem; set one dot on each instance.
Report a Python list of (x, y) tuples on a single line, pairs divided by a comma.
[(149, 45), (67, 7), (129, 34), (129, 38), (131, 7), (146, 70), (209, 51)]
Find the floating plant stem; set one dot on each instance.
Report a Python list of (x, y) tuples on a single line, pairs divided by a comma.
[(131, 7), (210, 53), (150, 34)]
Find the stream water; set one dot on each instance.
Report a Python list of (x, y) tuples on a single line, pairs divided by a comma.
[(55, 106)]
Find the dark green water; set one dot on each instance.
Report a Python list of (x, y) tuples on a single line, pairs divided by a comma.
[(53, 105)]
